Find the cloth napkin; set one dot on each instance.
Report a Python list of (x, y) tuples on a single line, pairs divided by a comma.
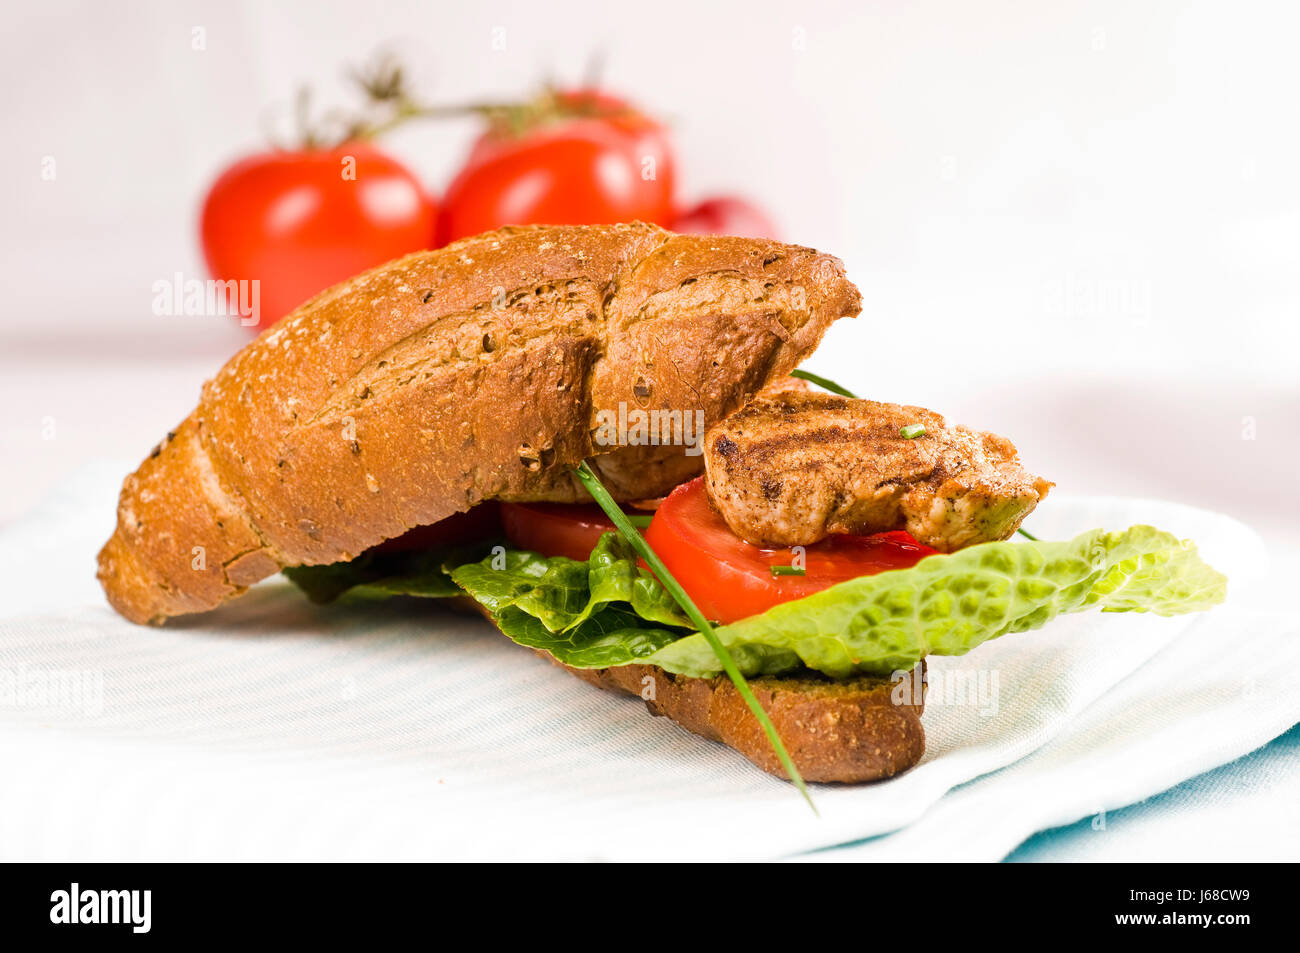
[(275, 729), (1242, 811), (1141, 737)]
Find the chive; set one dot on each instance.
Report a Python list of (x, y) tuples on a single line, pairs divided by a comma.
[(786, 570), (639, 520), (1026, 533), (824, 383), (612, 510), (912, 431)]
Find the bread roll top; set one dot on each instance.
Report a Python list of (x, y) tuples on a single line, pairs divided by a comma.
[(448, 377)]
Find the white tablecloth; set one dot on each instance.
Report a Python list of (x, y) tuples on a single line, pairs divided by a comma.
[(276, 729)]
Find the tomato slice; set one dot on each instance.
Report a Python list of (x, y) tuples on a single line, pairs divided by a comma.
[(555, 529), (477, 524), (730, 579)]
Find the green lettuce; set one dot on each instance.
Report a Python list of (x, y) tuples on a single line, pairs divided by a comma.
[(376, 574), (609, 611), (562, 593), (948, 605), (944, 605)]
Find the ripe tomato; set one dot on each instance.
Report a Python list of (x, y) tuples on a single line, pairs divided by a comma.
[(302, 221), (730, 579), (555, 529), (725, 215), (594, 160), (475, 525)]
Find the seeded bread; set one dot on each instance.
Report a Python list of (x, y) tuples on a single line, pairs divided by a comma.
[(847, 731), (448, 377)]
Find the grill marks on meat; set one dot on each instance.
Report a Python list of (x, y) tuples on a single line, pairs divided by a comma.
[(792, 468)]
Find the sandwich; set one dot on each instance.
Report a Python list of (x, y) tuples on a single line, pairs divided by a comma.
[(599, 437)]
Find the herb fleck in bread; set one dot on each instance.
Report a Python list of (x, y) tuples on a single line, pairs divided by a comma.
[(418, 389)]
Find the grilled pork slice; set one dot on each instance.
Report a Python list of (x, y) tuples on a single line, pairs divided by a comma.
[(792, 468)]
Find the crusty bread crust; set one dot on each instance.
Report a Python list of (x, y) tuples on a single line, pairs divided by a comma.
[(448, 377), (848, 731)]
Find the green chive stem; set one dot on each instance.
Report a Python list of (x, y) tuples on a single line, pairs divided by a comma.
[(1027, 534), (786, 570), (615, 513), (824, 383)]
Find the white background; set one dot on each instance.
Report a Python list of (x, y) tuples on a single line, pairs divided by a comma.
[(1075, 224)]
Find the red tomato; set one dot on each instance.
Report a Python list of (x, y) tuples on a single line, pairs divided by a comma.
[(303, 221), (480, 523), (581, 167), (725, 215), (555, 529), (730, 579)]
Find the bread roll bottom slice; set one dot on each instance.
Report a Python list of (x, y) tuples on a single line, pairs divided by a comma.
[(846, 731)]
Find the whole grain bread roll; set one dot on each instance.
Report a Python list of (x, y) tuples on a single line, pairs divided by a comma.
[(448, 377), (844, 731)]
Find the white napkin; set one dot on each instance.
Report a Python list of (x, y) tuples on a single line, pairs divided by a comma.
[(274, 729), (1222, 688), (1242, 811)]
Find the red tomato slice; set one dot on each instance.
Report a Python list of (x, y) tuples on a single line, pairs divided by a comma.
[(480, 523), (555, 529), (730, 579)]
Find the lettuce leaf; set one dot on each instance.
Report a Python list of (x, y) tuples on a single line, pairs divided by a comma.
[(605, 612), (948, 605), (609, 611), (376, 575), (613, 636), (944, 605), (562, 594)]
